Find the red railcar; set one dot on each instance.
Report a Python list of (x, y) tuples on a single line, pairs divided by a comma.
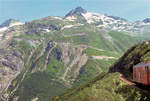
[(141, 74)]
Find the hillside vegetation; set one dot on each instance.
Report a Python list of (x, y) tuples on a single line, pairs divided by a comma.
[(139, 53), (105, 87), (109, 86)]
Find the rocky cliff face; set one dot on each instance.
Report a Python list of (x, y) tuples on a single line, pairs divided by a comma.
[(77, 11), (11, 65)]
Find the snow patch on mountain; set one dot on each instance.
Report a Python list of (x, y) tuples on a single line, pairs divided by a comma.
[(71, 18), (16, 24), (92, 17), (58, 18), (2, 29), (70, 26), (47, 30), (67, 26)]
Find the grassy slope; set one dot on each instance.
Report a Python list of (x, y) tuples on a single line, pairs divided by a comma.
[(94, 66), (105, 87), (96, 38), (41, 85)]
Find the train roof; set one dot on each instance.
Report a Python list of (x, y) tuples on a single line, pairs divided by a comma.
[(141, 65)]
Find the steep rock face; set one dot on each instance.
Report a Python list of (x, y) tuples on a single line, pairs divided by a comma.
[(11, 60), (76, 15), (73, 58), (10, 67), (77, 11)]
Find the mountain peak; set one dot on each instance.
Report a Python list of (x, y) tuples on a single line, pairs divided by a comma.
[(77, 11), (80, 9)]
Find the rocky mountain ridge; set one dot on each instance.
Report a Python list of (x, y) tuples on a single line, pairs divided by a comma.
[(9, 23), (108, 21)]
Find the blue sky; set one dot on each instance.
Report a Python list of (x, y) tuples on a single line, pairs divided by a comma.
[(27, 10)]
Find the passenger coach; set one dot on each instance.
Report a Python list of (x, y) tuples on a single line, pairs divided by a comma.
[(141, 74)]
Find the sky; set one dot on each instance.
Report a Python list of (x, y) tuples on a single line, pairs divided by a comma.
[(28, 10)]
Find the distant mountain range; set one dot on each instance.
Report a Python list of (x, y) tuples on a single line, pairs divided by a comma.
[(108, 22)]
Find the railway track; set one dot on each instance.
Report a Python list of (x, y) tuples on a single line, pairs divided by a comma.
[(130, 82)]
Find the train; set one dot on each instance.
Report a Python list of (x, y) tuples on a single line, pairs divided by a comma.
[(141, 74)]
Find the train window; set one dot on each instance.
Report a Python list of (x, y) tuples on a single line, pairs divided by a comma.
[(134, 73), (146, 68), (139, 76)]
